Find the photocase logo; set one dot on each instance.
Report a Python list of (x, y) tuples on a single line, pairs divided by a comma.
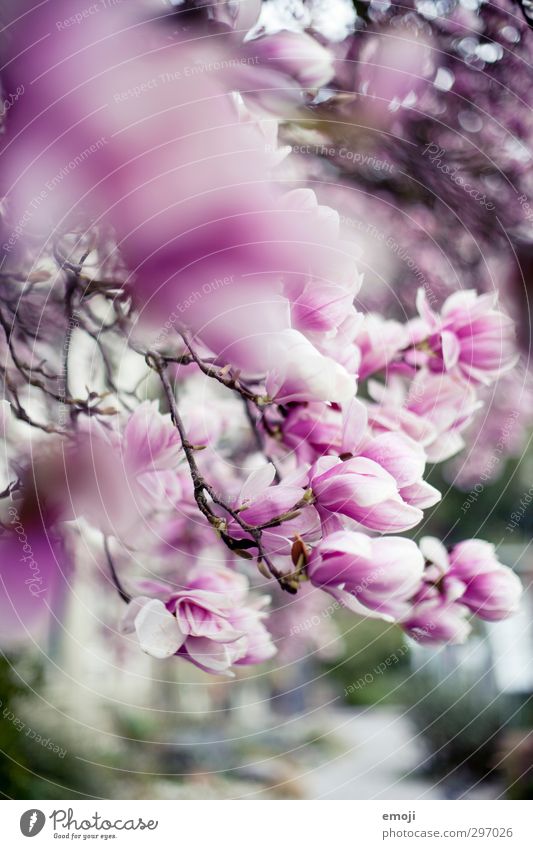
[(32, 822)]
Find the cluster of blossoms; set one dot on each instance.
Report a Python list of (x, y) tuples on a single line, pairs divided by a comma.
[(422, 137), (188, 253)]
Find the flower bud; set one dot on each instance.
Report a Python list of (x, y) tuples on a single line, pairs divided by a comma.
[(492, 590)]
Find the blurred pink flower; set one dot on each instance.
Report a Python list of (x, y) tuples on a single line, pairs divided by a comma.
[(320, 306), (393, 69), (296, 54), (301, 373), (492, 590), (468, 579), (150, 441), (379, 341)]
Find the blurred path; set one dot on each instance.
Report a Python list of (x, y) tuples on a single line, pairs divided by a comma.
[(380, 748)]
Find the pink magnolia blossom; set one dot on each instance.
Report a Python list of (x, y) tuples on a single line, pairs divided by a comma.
[(206, 623), (330, 253), (307, 526), (317, 430), (341, 345), (492, 590), (437, 620), (405, 460), (468, 579), (142, 153), (117, 474), (296, 54), (373, 577), (363, 490), (150, 442), (400, 455), (301, 373), (379, 342), (313, 429), (280, 70), (295, 321), (261, 502)]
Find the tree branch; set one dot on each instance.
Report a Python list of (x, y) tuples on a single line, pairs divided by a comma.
[(201, 487)]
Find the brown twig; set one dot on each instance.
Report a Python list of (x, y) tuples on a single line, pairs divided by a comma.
[(120, 589)]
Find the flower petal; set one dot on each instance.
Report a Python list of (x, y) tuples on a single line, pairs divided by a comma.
[(157, 630)]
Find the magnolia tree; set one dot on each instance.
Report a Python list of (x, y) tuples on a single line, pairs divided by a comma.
[(197, 405)]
